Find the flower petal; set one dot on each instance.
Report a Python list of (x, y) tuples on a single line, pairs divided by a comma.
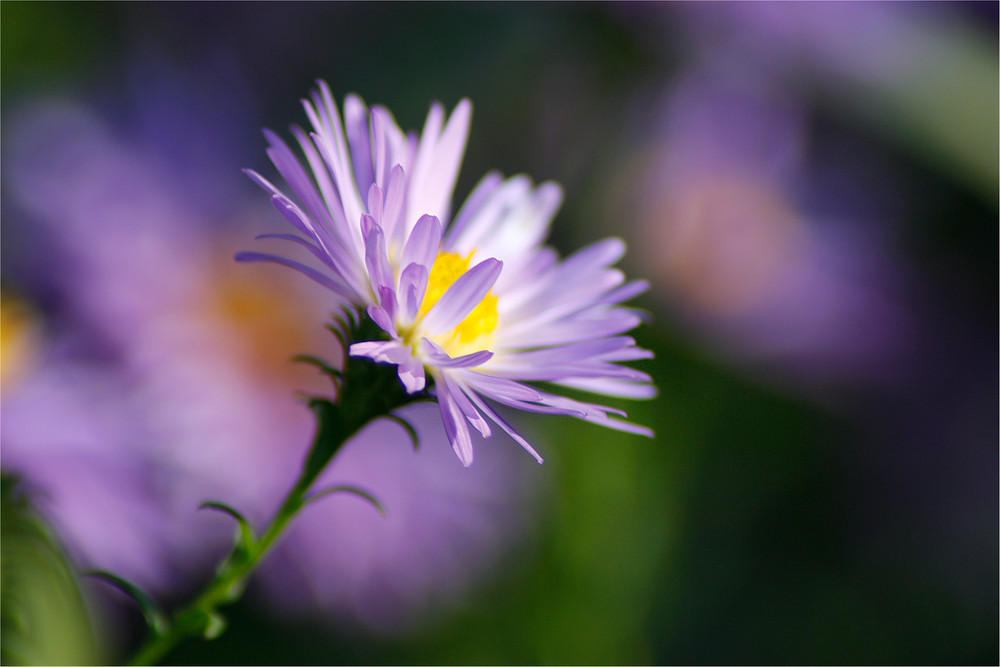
[(323, 279), (376, 259), (479, 403), (356, 120), (441, 359), (454, 424), (411, 371), (412, 286), (466, 407), (465, 294), (424, 242)]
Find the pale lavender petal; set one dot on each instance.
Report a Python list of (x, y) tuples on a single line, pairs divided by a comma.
[(422, 173), (331, 142), (387, 300), (540, 408), (380, 150), (464, 295), (356, 119), (390, 145), (454, 425), (322, 279), (302, 185), (375, 203), (438, 160), (612, 387), (412, 286), (623, 293), (628, 354), (479, 403), (597, 255), (479, 226), (347, 267), (559, 372), (569, 353), (469, 410), (316, 251), (506, 392), (424, 242), (620, 425), (288, 209), (563, 295), (395, 198), (411, 371), (329, 139), (483, 190), (376, 258), (441, 358), (342, 176), (523, 227), (376, 350), (571, 331), (333, 211), (383, 319), (503, 388)]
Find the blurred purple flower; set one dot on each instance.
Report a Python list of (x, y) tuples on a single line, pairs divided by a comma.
[(732, 245), (160, 379)]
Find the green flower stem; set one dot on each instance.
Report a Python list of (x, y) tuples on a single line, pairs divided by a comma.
[(196, 618), (367, 392)]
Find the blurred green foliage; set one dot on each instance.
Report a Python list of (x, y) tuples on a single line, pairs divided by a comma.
[(43, 618)]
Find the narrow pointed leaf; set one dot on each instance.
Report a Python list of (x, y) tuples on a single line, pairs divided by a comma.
[(247, 535), (412, 432), (324, 367), (155, 619), (345, 488)]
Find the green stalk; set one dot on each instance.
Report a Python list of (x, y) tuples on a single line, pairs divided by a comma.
[(367, 392)]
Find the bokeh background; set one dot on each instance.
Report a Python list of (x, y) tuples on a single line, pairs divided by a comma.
[(811, 189)]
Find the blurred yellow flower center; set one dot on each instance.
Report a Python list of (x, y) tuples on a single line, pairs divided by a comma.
[(473, 333), (19, 339)]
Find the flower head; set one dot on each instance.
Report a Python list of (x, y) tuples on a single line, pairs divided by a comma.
[(480, 304)]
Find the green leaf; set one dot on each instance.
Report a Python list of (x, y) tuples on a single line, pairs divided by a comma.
[(346, 488), (247, 537), (324, 367), (155, 619), (339, 333), (412, 432)]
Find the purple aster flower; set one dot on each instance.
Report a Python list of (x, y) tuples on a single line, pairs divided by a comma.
[(480, 304)]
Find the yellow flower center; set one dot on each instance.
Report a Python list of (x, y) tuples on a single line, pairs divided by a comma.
[(20, 333), (473, 333)]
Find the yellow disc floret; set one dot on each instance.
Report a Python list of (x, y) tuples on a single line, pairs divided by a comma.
[(473, 333)]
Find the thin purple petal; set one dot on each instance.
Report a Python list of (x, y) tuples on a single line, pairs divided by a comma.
[(464, 295)]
